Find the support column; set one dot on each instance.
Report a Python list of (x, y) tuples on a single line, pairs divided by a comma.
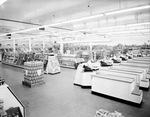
[(43, 45), (30, 46), (90, 44), (61, 47), (14, 45)]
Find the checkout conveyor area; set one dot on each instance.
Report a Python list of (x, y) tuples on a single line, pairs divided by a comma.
[(125, 80)]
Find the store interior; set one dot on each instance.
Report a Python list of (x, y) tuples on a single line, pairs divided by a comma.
[(74, 58)]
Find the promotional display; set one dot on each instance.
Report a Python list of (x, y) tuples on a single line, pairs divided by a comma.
[(33, 73), (52, 66)]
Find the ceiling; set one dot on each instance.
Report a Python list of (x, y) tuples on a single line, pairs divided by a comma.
[(16, 15)]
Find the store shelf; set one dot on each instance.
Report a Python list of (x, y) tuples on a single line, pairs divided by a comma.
[(14, 65)]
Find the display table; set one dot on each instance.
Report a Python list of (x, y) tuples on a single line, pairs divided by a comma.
[(10, 99), (116, 86)]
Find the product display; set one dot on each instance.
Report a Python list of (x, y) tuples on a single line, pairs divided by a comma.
[(52, 65), (18, 59), (105, 113), (14, 112), (70, 61), (33, 73)]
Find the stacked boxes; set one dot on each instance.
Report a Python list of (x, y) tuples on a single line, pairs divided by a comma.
[(33, 73)]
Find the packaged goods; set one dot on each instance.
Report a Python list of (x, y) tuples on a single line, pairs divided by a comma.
[(33, 73), (105, 113)]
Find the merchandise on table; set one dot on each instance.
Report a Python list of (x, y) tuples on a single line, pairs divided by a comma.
[(33, 73), (105, 113)]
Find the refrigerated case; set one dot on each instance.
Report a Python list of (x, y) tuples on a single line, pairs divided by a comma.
[(70, 61)]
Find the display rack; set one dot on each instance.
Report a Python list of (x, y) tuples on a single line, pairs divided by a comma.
[(11, 103), (18, 59), (33, 74)]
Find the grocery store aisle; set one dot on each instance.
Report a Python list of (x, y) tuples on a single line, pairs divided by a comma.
[(60, 98)]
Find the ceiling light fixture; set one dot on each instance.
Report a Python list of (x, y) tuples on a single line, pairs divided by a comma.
[(128, 10), (82, 19), (2, 1)]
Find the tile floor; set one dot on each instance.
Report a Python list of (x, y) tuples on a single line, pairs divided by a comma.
[(60, 98)]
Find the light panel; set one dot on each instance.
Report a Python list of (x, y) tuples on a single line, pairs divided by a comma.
[(128, 10), (2, 1), (82, 19)]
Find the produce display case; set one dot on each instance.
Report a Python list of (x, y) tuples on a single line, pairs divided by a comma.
[(70, 61)]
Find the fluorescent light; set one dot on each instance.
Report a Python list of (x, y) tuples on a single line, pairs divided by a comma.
[(138, 24), (2, 1), (56, 24), (128, 10), (82, 19)]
